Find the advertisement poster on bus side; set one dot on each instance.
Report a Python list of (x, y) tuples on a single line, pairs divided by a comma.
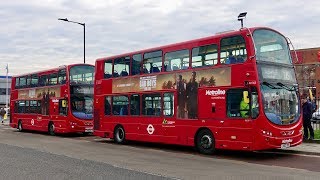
[(38, 93), (204, 78)]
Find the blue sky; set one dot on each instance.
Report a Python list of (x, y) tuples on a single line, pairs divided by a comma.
[(32, 38)]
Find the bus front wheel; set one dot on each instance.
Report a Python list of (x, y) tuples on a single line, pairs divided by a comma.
[(119, 135), (51, 129), (205, 142), (20, 126)]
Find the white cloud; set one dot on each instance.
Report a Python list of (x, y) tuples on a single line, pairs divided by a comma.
[(32, 38)]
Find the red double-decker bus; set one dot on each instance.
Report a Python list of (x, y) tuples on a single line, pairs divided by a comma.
[(234, 90), (58, 100)]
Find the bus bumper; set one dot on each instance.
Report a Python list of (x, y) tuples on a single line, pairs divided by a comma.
[(279, 142)]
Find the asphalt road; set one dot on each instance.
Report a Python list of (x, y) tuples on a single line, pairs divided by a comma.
[(26, 163), (29, 155)]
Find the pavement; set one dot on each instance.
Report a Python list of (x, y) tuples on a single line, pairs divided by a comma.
[(309, 147)]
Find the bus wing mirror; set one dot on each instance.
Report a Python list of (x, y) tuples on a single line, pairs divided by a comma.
[(246, 97), (64, 103)]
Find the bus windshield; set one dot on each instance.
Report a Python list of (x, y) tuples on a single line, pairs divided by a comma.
[(271, 47), (82, 74), (81, 91), (281, 104)]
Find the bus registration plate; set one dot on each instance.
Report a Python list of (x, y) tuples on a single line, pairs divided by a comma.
[(88, 130), (285, 146)]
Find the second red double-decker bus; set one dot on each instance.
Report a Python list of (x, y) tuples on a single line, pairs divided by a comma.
[(58, 100), (234, 90)]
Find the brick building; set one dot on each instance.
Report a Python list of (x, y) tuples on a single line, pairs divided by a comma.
[(307, 68)]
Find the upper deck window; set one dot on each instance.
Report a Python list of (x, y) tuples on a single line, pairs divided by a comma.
[(233, 50), (23, 82), (121, 66), (34, 80), (53, 79), (271, 47), (176, 60), (43, 80), (205, 55), (152, 62), (62, 76), (136, 64), (108, 69)]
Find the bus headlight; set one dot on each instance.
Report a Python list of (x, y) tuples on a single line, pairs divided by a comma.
[(266, 133)]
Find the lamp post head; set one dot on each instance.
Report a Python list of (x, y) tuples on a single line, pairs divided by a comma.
[(241, 17), (63, 19)]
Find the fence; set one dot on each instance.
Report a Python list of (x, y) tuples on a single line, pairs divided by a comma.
[(315, 124)]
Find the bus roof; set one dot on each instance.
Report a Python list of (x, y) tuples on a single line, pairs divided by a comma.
[(51, 70), (217, 35)]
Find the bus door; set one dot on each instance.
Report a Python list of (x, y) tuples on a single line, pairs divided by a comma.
[(169, 122), (236, 130), (58, 111), (54, 109), (150, 128)]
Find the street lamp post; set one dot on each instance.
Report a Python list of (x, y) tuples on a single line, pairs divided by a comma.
[(84, 36)]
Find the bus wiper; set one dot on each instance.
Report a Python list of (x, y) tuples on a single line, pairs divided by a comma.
[(269, 85), (286, 87)]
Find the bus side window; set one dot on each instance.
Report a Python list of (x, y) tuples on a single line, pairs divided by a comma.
[(62, 76), (135, 104), (152, 62), (233, 50), (237, 106), (63, 106), (107, 105), (108, 69), (205, 56), (120, 105), (254, 103), (151, 104), (168, 104)]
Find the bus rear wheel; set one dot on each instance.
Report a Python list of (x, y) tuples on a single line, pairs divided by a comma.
[(119, 135), (51, 129), (20, 129), (205, 142)]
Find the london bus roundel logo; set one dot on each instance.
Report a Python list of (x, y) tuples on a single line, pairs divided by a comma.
[(150, 129), (32, 122)]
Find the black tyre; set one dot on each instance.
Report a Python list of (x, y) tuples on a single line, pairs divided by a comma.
[(205, 142), (119, 135), (86, 133), (51, 129), (20, 129)]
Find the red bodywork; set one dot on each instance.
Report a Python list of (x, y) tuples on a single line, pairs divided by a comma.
[(229, 133), (38, 121)]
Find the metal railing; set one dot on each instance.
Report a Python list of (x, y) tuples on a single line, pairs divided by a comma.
[(315, 124)]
